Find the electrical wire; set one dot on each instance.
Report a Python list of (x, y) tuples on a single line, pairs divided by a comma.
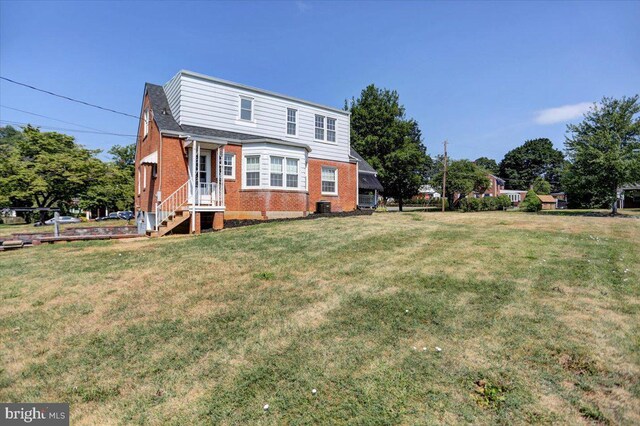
[(18, 123), (51, 118), (69, 98)]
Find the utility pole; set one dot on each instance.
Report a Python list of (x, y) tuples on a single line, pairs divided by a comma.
[(444, 178)]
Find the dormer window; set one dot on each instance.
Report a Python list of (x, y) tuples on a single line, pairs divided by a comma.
[(246, 109)]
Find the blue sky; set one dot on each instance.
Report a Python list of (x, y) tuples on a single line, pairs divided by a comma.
[(485, 75)]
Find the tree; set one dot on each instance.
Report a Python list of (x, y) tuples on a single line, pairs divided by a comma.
[(603, 153), (535, 158), (541, 186), (45, 169), (115, 188), (390, 142), (463, 177), (531, 202), (489, 164)]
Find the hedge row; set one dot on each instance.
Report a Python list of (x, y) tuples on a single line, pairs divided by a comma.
[(484, 204)]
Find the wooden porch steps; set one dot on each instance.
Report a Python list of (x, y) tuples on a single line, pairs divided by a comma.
[(173, 221)]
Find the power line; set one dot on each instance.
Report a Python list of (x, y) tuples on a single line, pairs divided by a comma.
[(51, 118), (69, 98), (18, 123)]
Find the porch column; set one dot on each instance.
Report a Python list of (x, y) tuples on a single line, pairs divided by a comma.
[(194, 177)]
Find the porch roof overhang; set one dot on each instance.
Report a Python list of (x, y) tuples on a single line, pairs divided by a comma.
[(369, 181), (150, 159)]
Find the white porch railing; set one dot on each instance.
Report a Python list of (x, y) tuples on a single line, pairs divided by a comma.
[(208, 194), (170, 204)]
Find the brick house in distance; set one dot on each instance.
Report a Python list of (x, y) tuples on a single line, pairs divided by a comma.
[(210, 150)]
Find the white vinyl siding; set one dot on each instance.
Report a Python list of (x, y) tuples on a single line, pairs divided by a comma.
[(292, 122), (252, 167), (329, 184), (331, 129), (230, 166), (198, 101)]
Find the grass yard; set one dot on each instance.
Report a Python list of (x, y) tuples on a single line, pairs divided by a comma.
[(538, 318)]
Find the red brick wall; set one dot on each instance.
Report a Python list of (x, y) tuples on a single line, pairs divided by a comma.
[(174, 166), (346, 200), (145, 200)]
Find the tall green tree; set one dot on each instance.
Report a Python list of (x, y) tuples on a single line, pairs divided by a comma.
[(463, 177), (390, 142), (45, 169), (489, 164), (541, 186), (535, 158), (604, 153)]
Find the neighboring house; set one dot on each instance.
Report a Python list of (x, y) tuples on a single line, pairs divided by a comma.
[(427, 192), (496, 185), (515, 195), (210, 150), (548, 202), (561, 199), (369, 187), (629, 196)]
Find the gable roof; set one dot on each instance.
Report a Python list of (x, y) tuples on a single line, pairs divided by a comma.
[(166, 123), (547, 198), (363, 166), (499, 181)]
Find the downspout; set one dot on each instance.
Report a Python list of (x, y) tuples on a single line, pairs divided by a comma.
[(357, 184), (194, 175)]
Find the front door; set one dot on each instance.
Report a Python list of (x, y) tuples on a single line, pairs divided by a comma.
[(203, 177)]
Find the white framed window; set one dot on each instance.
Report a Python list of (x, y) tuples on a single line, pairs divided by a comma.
[(331, 129), (229, 166), (319, 127), (246, 108), (292, 122), (145, 119), (144, 179), (292, 172), (329, 183), (139, 181), (277, 171), (252, 170)]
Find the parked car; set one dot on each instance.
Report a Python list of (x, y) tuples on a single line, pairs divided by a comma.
[(61, 219), (127, 215), (111, 216)]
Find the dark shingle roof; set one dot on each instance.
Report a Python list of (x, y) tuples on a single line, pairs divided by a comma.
[(160, 106), (363, 166), (369, 181)]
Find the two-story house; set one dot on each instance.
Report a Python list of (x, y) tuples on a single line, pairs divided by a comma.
[(210, 150)]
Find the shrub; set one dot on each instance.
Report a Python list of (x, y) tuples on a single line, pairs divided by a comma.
[(484, 204), (469, 204), (437, 202), (503, 201), (531, 202)]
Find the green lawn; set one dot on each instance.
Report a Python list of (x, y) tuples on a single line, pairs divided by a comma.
[(29, 228), (538, 319)]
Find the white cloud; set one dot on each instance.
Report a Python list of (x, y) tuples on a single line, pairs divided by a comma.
[(562, 114), (303, 6)]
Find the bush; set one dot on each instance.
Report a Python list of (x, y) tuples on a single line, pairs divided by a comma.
[(484, 204), (437, 202), (504, 202), (531, 202)]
